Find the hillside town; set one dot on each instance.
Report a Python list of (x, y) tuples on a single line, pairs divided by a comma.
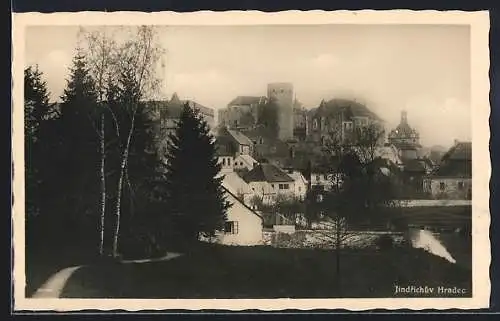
[(143, 180), (259, 165)]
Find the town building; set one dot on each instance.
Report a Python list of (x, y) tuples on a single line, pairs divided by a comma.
[(299, 122), (282, 95), (244, 162), (169, 112), (453, 178), (405, 138), (233, 142), (165, 115), (300, 183), (243, 226), (340, 119), (233, 182), (242, 112), (267, 181)]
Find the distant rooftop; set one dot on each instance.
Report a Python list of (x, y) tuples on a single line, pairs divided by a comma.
[(266, 172), (247, 100)]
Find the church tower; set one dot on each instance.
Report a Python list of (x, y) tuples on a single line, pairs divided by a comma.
[(283, 95)]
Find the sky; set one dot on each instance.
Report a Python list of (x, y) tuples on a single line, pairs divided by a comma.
[(423, 69)]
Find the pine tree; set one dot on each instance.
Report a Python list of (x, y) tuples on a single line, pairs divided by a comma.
[(196, 198), (81, 149), (36, 109)]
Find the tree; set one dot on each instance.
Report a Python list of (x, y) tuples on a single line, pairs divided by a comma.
[(38, 113), (359, 189), (100, 58), (126, 73), (196, 198), (80, 146), (288, 207)]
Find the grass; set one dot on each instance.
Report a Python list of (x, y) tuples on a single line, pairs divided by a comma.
[(266, 272), (42, 262)]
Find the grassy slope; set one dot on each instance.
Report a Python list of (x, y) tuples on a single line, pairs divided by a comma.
[(265, 272)]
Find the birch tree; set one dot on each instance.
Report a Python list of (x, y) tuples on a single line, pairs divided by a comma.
[(136, 66), (100, 50), (126, 71)]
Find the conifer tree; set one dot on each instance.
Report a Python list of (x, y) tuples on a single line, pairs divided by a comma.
[(36, 109), (80, 165), (196, 199)]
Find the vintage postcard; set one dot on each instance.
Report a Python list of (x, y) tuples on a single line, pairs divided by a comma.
[(249, 160)]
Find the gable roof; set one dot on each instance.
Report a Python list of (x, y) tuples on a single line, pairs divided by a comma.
[(350, 108), (247, 100), (173, 108), (242, 203), (248, 159), (240, 138), (234, 183), (457, 162), (460, 151), (266, 172)]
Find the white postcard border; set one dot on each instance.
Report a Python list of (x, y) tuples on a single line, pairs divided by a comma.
[(479, 26)]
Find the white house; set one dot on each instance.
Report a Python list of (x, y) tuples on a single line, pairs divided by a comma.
[(243, 225), (268, 181), (237, 186), (244, 161), (226, 163), (300, 184)]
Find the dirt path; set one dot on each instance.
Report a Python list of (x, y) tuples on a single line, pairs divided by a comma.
[(53, 287)]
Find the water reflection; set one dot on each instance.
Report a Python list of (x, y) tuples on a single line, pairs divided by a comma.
[(426, 240)]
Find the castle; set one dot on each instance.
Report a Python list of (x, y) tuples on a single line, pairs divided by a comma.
[(242, 113)]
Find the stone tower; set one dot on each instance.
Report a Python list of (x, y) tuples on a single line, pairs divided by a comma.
[(282, 94)]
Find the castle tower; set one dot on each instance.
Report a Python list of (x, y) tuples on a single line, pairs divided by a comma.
[(282, 94)]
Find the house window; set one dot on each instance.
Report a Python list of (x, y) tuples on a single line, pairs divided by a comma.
[(315, 124), (231, 227), (272, 185), (460, 185), (318, 178), (229, 161), (325, 177), (284, 186), (442, 186), (224, 162)]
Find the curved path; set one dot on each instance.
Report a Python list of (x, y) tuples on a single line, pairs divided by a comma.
[(53, 287)]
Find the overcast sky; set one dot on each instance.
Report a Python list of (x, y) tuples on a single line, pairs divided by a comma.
[(423, 69)]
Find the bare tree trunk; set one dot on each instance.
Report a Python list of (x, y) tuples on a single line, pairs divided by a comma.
[(120, 185), (103, 188)]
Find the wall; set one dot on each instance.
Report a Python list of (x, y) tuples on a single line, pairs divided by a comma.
[(269, 191), (241, 163), (322, 239), (227, 163), (249, 225), (451, 189)]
